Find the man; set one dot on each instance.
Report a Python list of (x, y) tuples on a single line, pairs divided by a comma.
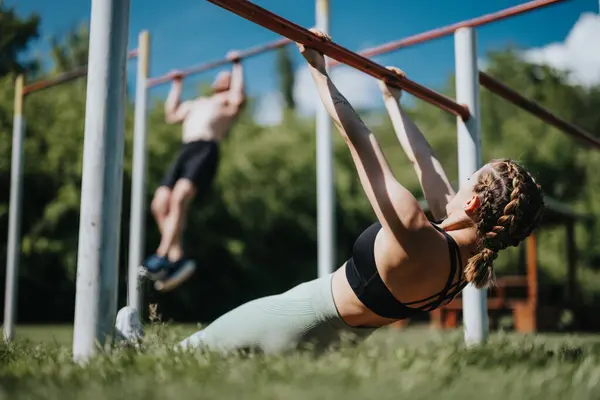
[(206, 121)]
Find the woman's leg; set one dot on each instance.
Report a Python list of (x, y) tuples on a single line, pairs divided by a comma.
[(269, 324), (302, 316)]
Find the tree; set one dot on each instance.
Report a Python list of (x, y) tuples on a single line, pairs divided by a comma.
[(16, 34), (285, 71), (70, 51), (254, 233)]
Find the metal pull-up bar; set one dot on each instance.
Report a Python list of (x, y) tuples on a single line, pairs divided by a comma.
[(253, 51), (495, 86), (65, 77), (450, 29), (275, 23), (487, 81)]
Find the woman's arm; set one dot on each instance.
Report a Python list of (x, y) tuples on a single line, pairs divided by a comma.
[(396, 208), (433, 179)]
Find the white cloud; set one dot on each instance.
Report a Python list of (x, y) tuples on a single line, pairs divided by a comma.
[(577, 54), (269, 110), (360, 89)]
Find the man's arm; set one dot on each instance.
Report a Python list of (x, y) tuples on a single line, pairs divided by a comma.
[(175, 110), (237, 95), (433, 179)]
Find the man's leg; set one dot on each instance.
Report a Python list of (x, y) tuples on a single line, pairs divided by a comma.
[(176, 250), (156, 266), (182, 194), (167, 267), (196, 171), (160, 205)]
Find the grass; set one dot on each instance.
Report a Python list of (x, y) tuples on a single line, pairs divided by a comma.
[(409, 364)]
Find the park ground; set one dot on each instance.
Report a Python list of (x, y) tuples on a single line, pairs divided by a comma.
[(416, 363)]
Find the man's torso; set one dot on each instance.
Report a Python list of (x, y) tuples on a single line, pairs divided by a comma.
[(208, 119)]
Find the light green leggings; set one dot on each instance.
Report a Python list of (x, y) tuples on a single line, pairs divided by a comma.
[(303, 316)]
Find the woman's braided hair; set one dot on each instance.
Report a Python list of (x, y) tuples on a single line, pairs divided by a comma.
[(511, 208)]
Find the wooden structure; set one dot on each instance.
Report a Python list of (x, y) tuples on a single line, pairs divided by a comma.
[(515, 294), (533, 305)]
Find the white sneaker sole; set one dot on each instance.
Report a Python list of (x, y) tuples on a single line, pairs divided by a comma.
[(174, 281), (144, 273)]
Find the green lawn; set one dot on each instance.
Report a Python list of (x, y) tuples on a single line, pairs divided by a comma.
[(63, 334), (409, 364)]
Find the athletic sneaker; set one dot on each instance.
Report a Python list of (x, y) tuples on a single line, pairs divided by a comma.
[(155, 267), (177, 273), (128, 325), (166, 274)]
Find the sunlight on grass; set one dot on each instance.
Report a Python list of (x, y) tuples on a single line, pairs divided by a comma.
[(394, 364)]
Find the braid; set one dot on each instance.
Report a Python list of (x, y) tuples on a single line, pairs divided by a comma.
[(479, 269), (511, 207), (515, 219)]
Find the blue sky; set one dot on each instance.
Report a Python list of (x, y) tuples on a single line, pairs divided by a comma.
[(194, 31)]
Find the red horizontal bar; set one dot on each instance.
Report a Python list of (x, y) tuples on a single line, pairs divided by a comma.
[(450, 29), (499, 88), (65, 77), (275, 23), (217, 63)]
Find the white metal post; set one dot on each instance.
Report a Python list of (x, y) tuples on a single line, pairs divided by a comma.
[(325, 186), (469, 160), (97, 258), (13, 249), (138, 181)]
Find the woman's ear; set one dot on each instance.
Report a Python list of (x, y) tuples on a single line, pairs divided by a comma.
[(472, 205)]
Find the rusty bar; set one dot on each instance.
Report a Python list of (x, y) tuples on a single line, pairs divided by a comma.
[(450, 29), (65, 77), (218, 63), (499, 88), (275, 23)]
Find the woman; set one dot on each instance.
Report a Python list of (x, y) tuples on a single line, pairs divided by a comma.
[(400, 266)]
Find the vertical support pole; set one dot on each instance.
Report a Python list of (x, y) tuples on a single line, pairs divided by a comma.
[(469, 161), (532, 270), (571, 262), (325, 186), (14, 217), (138, 182), (101, 191)]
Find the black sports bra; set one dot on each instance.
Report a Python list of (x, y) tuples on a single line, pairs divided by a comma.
[(368, 286)]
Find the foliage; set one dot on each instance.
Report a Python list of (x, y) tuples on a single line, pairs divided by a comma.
[(285, 70), (70, 51), (255, 232), (16, 34), (415, 364)]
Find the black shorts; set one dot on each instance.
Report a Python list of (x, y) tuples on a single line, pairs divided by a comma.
[(197, 161)]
